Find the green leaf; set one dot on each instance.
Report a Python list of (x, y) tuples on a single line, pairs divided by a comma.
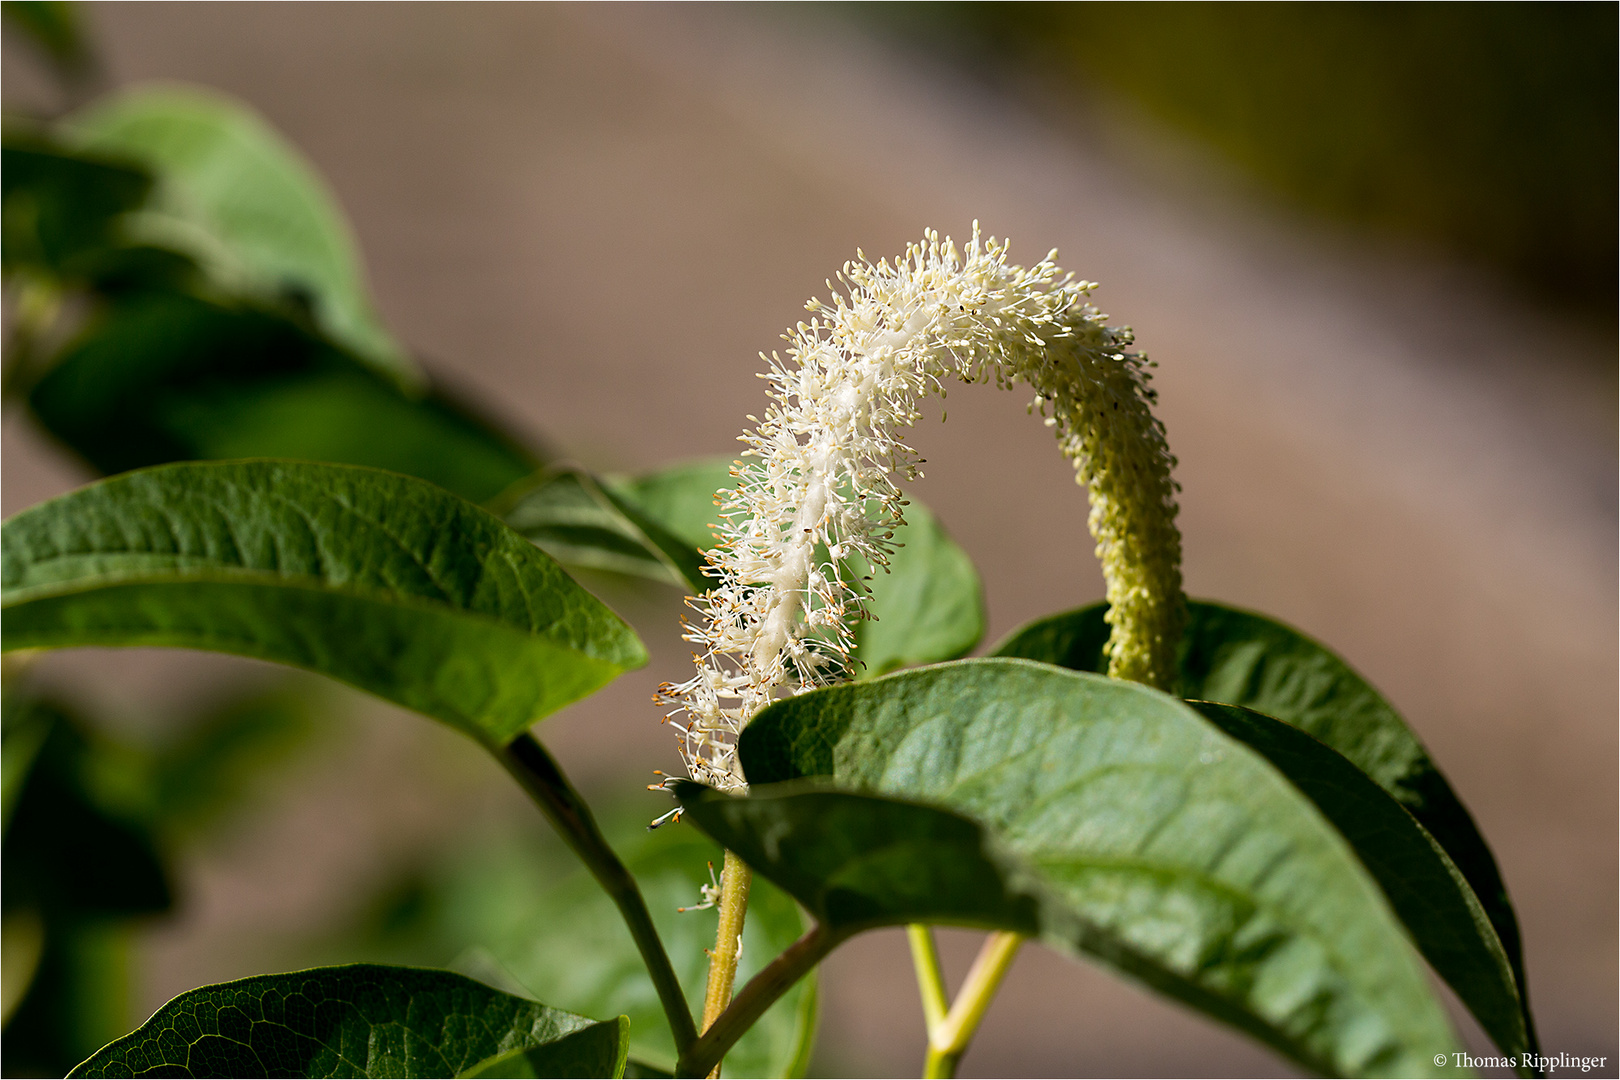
[(236, 197), (857, 862), (599, 1050), (580, 521), (681, 497), (381, 581), (1240, 658), (62, 208), (928, 607), (1423, 885), (169, 377), (1130, 826), (549, 927), (360, 1020)]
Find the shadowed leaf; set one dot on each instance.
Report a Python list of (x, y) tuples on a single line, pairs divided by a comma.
[(363, 1020), (581, 521), (169, 377), (238, 199), (1423, 885)]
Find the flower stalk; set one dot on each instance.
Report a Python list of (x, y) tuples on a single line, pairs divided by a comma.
[(735, 880)]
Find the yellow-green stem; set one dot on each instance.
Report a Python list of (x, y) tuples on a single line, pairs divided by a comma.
[(948, 1040), (930, 979), (734, 882)]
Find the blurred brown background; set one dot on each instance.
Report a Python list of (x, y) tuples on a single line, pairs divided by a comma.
[(592, 218)]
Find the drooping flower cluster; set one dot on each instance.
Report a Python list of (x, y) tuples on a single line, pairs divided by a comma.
[(818, 483)]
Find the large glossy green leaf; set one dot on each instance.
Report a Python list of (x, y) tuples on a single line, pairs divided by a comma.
[(164, 376), (581, 521), (928, 606), (1141, 833), (549, 927), (363, 1020), (1241, 658), (240, 200), (1423, 885), (379, 580)]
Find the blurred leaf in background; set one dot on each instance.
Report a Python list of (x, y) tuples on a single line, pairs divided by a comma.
[(184, 287), (240, 201), (1487, 128), (56, 30), (93, 826), (513, 910)]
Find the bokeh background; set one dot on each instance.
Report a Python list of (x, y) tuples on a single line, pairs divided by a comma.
[(1372, 249)]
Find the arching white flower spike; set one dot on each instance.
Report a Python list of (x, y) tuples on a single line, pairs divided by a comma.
[(820, 485)]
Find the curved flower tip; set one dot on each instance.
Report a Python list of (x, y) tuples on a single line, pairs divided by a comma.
[(818, 483)]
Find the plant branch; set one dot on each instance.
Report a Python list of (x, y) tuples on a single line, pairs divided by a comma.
[(534, 768), (948, 1040), (930, 979), (761, 993)]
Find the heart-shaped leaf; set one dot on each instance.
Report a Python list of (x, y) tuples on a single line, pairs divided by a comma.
[(363, 1020), (164, 376), (237, 198), (1241, 658), (379, 580), (1142, 835)]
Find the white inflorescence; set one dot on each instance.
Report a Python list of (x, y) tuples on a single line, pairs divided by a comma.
[(820, 487)]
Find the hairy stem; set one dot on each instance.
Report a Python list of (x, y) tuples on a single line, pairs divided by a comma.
[(760, 994), (540, 776), (948, 1040), (735, 880)]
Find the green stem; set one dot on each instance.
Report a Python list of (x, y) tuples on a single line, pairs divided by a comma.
[(930, 979), (750, 1004), (735, 880), (540, 776), (949, 1039)]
